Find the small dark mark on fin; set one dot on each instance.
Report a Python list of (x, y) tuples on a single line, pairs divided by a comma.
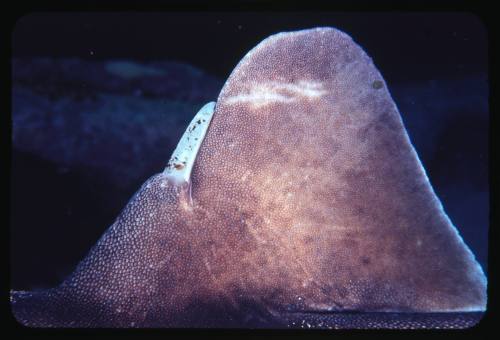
[(377, 84)]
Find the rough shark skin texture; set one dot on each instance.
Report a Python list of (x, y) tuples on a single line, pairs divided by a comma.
[(306, 197), (319, 170)]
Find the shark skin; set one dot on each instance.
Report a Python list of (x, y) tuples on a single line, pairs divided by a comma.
[(303, 195)]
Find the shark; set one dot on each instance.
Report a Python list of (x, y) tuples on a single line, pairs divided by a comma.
[(298, 192)]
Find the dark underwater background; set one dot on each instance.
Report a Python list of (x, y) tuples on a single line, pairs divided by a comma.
[(99, 102)]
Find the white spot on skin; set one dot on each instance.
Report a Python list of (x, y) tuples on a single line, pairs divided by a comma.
[(275, 92)]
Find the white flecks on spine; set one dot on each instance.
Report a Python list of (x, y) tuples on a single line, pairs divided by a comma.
[(181, 163)]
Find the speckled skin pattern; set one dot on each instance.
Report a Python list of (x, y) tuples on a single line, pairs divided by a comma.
[(306, 197)]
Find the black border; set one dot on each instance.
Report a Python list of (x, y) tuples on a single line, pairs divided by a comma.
[(485, 13)]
